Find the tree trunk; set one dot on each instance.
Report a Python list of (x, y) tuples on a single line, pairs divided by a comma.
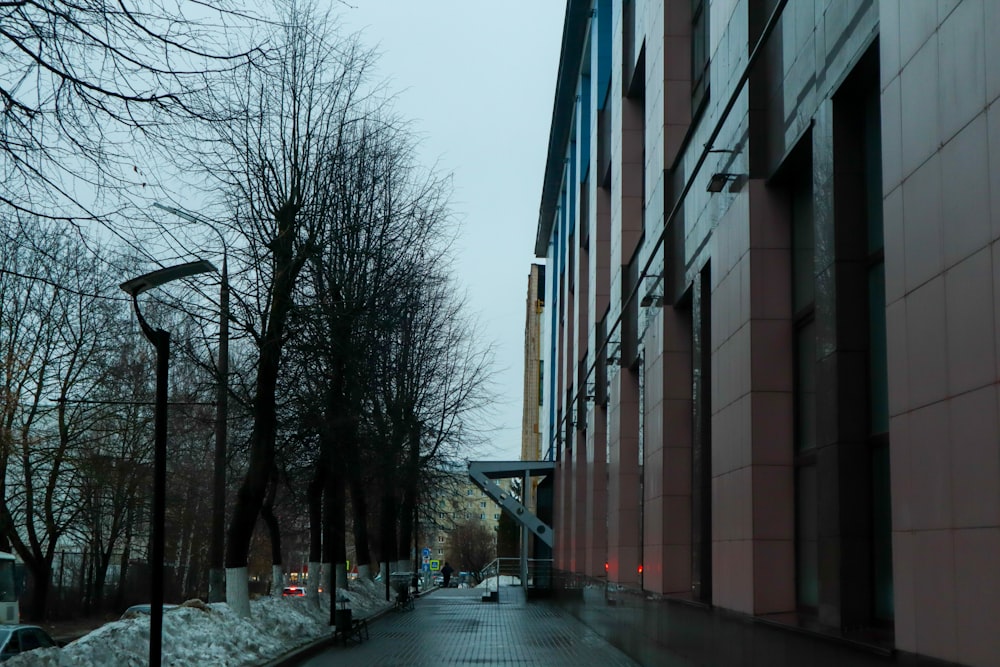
[(254, 486), (271, 521), (390, 552), (335, 512), (277, 580), (359, 516), (126, 554), (406, 511), (238, 591), (41, 577), (100, 577), (410, 481), (314, 498)]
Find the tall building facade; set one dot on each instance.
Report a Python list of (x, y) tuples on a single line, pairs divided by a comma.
[(531, 435), (772, 241)]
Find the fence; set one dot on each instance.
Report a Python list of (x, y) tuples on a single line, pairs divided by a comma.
[(73, 589)]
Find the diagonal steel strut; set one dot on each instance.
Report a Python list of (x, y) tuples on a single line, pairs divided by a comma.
[(484, 472)]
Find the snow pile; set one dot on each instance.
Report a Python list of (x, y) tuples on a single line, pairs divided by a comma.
[(505, 580), (211, 634)]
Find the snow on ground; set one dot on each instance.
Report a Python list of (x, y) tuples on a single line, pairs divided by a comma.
[(505, 580), (211, 634)]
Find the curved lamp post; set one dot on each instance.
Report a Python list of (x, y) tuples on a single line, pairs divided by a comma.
[(216, 548), (161, 341)]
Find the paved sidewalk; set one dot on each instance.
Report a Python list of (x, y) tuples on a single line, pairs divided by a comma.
[(455, 627)]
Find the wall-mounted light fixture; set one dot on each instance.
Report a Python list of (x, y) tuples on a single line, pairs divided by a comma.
[(651, 301), (719, 180)]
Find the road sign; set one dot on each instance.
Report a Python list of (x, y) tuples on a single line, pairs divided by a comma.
[(426, 552), (435, 565), (426, 567)]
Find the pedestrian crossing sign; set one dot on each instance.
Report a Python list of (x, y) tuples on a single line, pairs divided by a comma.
[(435, 565)]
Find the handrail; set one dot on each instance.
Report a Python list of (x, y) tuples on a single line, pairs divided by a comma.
[(538, 569)]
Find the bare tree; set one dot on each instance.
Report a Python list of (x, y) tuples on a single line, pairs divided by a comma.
[(81, 82), (471, 547), (291, 113), (432, 388), (53, 342), (382, 216), (114, 469)]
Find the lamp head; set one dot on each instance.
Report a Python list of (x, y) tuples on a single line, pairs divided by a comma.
[(137, 286), (719, 180)]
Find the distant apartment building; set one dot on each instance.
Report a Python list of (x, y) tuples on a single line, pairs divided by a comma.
[(462, 503), (772, 242)]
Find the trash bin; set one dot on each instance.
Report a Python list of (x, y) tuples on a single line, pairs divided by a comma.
[(342, 614)]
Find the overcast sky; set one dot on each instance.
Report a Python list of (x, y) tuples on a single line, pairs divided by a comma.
[(477, 78)]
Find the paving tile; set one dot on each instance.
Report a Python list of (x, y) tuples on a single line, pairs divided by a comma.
[(455, 627)]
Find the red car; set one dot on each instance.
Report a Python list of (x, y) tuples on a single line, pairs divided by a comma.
[(293, 591)]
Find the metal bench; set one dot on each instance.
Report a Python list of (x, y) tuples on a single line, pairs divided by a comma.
[(356, 632), (402, 582)]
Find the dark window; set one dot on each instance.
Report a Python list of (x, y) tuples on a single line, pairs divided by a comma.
[(806, 537), (701, 445), (571, 251), (699, 54), (806, 484), (878, 372), (541, 380)]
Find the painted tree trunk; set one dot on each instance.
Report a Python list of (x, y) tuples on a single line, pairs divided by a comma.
[(277, 579), (238, 591), (315, 581)]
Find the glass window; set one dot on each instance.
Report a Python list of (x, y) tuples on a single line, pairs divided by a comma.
[(805, 386), (11, 647), (807, 534), (803, 247), (804, 358), (699, 53), (882, 534), (878, 356), (878, 372), (482, 504)]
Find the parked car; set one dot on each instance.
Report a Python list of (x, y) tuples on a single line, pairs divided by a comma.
[(17, 639), (293, 591)]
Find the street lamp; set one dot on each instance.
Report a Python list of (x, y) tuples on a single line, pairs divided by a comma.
[(161, 341), (216, 548)]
